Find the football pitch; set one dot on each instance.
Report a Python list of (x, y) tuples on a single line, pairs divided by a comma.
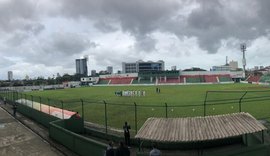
[(102, 106)]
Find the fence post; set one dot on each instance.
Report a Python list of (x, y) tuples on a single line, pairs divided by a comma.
[(9, 95), (39, 103), (21, 98), (166, 108), (49, 106), (106, 122), (204, 104), (17, 96), (12, 97), (136, 126), (25, 100), (62, 103), (82, 109), (240, 101), (32, 102)]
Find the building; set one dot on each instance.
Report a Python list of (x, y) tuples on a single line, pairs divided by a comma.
[(221, 68), (150, 66), (58, 75), (129, 67), (10, 75), (81, 66), (233, 65), (110, 69), (173, 68), (93, 72), (89, 81), (141, 66)]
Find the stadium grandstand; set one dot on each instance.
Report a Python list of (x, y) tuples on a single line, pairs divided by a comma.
[(117, 79), (265, 78), (170, 77), (259, 75), (253, 78)]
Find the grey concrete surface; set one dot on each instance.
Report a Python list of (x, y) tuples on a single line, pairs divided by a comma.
[(18, 140)]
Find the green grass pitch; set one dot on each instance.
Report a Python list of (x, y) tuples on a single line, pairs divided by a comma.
[(182, 101)]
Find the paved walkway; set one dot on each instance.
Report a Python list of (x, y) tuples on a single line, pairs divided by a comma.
[(18, 140)]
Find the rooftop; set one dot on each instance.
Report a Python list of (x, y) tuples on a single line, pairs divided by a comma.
[(193, 129)]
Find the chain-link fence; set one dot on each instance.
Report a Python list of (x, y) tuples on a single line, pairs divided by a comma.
[(112, 115)]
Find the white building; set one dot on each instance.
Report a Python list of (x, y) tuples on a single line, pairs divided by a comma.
[(233, 65), (173, 68), (140, 66), (221, 68)]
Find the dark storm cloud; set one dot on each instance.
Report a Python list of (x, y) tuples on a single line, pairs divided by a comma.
[(57, 49), (116, 61), (17, 39), (139, 18), (54, 33), (215, 21), (16, 14), (264, 13), (145, 43), (105, 26), (34, 28), (208, 16), (211, 22), (69, 43)]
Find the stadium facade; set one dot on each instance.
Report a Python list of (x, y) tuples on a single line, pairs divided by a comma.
[(141, 66)]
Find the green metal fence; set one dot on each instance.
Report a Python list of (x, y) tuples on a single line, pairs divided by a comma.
[(110, 115)]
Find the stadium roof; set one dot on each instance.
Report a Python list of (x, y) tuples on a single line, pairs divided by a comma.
[(192, 129)]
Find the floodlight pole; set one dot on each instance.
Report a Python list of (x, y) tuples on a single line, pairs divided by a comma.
[(243, 48)]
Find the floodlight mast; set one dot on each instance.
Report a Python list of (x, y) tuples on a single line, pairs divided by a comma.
[(243, 48)]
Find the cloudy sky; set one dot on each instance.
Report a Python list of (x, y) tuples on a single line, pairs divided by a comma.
[(44, 37)]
